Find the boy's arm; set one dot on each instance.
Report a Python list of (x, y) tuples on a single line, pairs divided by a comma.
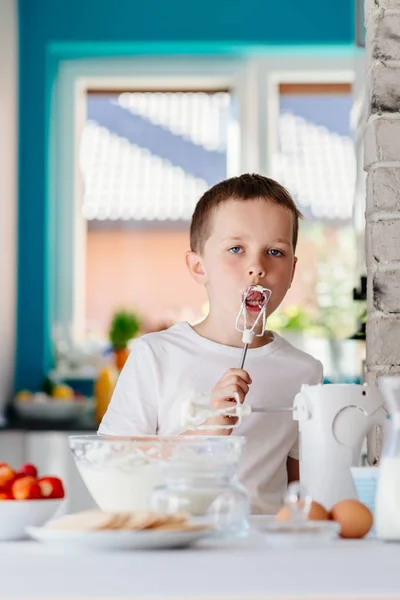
[(293, 469), (133, 409)]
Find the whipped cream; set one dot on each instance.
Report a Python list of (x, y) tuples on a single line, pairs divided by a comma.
[(121, 479), (115, 489)]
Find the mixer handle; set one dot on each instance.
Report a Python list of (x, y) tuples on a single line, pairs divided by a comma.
[(374, 445)]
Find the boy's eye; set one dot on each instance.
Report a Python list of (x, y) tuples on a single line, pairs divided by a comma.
[(235, 250), (275, 252)]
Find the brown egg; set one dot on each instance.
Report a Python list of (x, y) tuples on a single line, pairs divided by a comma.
[(317, 513), (354, 518)]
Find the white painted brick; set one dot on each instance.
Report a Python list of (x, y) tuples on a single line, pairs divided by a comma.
[(382, 38), (387, 4), (383, 189), (370, 6), (383, 347), (382, 141), (383, 85), (382, 144), (383, 242), (372, 376), (386, 291), (370, 293)]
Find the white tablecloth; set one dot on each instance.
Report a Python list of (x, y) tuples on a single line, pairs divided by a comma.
[(244, 569)]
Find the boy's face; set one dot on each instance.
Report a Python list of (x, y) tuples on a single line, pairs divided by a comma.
[(250, 243)]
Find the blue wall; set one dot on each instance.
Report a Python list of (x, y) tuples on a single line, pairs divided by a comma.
[(261, 21), (79, 28)]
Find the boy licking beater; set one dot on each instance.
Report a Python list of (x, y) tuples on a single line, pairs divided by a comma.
[(244, 231)]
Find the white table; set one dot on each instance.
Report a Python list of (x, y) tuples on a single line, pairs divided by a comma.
[(245, 569)]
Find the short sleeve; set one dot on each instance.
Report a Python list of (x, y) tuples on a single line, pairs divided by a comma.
[(133, 409), (316, 377)]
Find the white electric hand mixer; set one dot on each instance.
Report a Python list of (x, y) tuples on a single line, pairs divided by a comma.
[(195, 412)]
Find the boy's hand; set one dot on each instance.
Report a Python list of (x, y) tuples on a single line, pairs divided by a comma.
[(235, 382)]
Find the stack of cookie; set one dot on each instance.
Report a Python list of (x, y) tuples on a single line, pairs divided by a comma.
[(96, 520)]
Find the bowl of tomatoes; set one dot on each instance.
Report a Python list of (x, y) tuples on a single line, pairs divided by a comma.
[(27, 499)]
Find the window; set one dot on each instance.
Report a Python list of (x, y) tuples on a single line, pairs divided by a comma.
[(150, 155), (146, 158), (315, 159)]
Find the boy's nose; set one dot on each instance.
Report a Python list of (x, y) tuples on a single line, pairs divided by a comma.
[(256, 272)]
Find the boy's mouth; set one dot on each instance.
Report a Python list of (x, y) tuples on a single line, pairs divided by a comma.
[(255, 300)]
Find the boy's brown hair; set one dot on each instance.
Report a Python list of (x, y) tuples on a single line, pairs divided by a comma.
[(242, 188)]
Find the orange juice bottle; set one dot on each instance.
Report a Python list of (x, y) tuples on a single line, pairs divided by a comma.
[(103, 390)]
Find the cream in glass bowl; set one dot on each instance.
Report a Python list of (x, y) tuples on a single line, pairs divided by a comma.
[(120, 473), (192, 474)]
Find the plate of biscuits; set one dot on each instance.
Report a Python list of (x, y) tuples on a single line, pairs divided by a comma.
[(139, 530)]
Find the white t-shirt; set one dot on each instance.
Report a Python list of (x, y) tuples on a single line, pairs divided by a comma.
[(163, 365)]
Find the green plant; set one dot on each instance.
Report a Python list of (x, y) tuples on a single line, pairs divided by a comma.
[(334, 315), (125, 325), (293, 318), (337, 312)]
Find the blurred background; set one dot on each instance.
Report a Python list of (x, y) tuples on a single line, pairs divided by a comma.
[(115, 118)]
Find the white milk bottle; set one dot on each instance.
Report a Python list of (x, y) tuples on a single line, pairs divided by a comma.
[(387, 505)]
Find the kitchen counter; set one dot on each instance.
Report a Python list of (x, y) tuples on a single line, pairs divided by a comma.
[(245, 569), (13, 422), (67, 427)]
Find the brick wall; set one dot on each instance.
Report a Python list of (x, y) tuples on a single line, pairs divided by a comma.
[(382, 162)]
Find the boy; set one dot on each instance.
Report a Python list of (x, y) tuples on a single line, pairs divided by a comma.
[(243, 231)]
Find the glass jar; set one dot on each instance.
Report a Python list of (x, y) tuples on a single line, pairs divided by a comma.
[(200, 479), (387, 499)]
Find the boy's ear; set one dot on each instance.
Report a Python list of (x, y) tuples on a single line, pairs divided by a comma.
[(196, 268), (293, 270)]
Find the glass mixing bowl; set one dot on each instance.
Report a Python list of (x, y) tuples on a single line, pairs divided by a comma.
[(196, 475)]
